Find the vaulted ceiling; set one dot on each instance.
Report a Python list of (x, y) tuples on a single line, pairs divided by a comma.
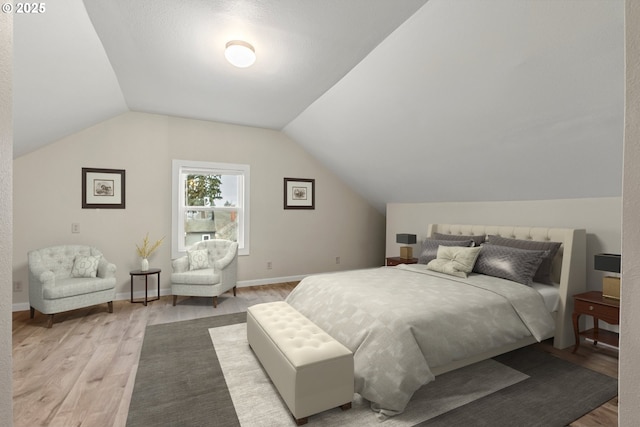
[(405, 100)]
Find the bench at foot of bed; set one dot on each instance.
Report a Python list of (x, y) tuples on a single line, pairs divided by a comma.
[(312, 371)]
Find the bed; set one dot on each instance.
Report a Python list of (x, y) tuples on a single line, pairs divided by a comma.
[(407, 324)]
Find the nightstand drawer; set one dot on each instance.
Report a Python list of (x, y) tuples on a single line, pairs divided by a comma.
[(607, 313)]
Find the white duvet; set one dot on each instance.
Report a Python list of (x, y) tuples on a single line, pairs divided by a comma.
[(401, 321)]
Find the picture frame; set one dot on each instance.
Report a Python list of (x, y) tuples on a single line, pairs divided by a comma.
[(299, 193), (103, 188)]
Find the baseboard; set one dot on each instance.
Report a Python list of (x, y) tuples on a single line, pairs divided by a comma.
[(21, 306), (152, 293), (270, 281)]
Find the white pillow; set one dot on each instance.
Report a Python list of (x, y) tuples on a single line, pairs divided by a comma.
[(198, 259), (455, 260), (85, 266)]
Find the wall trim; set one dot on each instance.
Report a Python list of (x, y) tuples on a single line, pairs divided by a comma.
[(21, 306), (270, 281), (122, 296)]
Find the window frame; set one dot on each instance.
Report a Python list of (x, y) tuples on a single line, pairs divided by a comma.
[(181, 168)]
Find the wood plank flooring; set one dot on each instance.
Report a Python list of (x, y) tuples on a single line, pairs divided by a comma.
[(81, 372)]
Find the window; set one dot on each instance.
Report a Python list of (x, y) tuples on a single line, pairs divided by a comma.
[(210, 201)]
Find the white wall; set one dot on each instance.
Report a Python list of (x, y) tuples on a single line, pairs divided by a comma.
[(512, 90), (6, 154), (629, 372), (601, 218), (47, 199)]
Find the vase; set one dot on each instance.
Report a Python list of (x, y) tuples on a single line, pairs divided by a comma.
[(144, 264)]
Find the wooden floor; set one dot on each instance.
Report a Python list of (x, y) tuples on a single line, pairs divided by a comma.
[(81, 372)]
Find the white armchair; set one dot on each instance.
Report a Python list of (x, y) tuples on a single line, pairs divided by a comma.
[(208, 270), (63, 278)]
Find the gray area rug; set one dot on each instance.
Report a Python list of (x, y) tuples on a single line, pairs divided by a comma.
[(180, 383), (258, 403)]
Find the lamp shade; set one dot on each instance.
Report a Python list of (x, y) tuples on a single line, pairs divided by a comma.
[(607, 262), (407, 239)]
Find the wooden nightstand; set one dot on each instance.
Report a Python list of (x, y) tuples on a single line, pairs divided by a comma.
[(595, 305), (396, 260)]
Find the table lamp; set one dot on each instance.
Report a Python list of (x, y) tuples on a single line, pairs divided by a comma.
[(406, 252), (609, 263)]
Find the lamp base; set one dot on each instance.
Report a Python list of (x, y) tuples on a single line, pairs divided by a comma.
[(611, 287), (406, 252)]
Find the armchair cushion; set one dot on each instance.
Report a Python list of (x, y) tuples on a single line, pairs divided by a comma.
[(204, 276), (198, 259), (85, 266), (76, 286)]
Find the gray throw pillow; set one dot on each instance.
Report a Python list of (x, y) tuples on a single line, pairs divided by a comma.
[(517, 265), (477, 240), (543, 274), (429, 249)]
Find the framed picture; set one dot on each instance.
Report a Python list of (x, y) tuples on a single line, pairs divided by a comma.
[(103, 188), (299, 193)]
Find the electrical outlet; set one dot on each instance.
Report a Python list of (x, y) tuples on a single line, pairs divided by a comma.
[(269, 265), (17, 286), (75, 227), (337, 260)]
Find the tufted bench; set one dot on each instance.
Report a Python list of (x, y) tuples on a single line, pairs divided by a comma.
[(312, 371)]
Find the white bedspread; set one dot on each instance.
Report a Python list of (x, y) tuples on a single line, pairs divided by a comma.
[(400, 321)]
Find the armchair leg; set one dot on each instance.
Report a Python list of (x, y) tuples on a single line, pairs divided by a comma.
[(234, 291), (32, 312), (110, 306), (215, 302), (50, 321), (175, 299)]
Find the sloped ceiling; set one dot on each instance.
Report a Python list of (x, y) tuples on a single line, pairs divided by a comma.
[(82, 62), (407, 101), (62, 79), (481, 101)]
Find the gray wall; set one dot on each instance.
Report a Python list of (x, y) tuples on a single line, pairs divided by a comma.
[(600, 217), (629, 373), (6, 154), (47, 200)]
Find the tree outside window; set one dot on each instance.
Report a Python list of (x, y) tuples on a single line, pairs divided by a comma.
[(211, 202), (203, 190)]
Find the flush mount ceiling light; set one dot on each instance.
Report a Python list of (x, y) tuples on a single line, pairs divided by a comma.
[(240, 53)]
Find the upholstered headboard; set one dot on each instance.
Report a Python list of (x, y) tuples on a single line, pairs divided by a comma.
[(568, 268)]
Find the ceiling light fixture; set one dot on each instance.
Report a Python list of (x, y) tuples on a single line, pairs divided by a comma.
[(240, 54)]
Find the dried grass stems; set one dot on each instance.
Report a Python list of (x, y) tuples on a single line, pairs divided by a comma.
[(147, 249)]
